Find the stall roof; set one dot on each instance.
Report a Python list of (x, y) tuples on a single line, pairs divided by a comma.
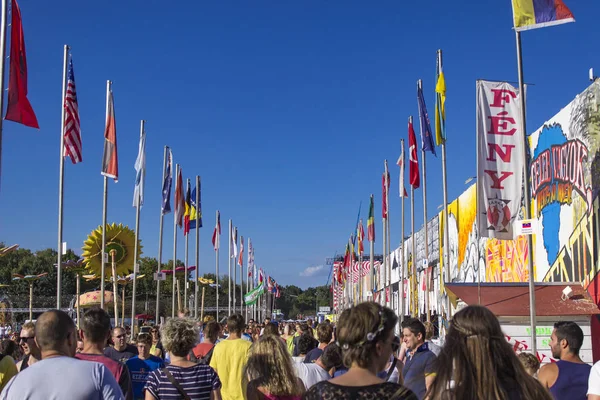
[(512, 299)]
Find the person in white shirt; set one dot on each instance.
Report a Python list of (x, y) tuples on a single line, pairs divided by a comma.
[(62, 375), (593, 392), (322, 369)]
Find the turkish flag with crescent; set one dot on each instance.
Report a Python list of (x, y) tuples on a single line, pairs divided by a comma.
[(415, 181)]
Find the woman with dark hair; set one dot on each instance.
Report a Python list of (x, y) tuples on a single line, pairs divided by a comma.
[(365, 333), (477, 362)]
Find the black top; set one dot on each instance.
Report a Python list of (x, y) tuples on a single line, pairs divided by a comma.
[(326, 390), (121, 356)]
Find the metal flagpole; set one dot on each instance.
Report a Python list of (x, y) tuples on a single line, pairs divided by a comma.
[(241, 279), (235, 238), (217, 270), (174, 245), (446, 253), (387, 233), (2, 65), (61, 173), (426, 295), (135, 248), (527, 196), (382, 277), (185, 267), (229, 264), (198, 210), (371, 258), (413, 291), (402, 264), (105, 200), (160, 242)]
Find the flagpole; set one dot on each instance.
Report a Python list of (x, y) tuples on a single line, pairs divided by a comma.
[(175, 245), (402, 264), (387, 224), (187, 242), (235, 237), (229, 265), (241, 279), (527, 196), (217, 268), (371, 259), (382, 280), (198, 211), (160, 243), (104, 204), (136, 247), (61, 173), (426, 294)]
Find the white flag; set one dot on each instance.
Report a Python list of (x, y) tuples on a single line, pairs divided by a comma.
[(140, 169), (233, 243), (500, 159), (400, 163)]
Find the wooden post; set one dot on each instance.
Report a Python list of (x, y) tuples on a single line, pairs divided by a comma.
[(31, 301), (202, 305), (115, 292), (78, 290)]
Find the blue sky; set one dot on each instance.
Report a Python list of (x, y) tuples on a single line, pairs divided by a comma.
[(286, 109)]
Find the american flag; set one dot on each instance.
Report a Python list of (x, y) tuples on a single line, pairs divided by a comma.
[(72, 127)]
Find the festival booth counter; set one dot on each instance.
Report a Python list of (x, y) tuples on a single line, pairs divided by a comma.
[(510, 303)]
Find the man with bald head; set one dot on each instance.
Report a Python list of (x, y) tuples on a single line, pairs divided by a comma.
[(59, 375)]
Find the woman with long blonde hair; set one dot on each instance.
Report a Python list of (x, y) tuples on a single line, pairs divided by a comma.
[(270, 372), (477, 362)]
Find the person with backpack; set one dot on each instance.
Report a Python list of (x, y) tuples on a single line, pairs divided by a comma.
[(202, 353)]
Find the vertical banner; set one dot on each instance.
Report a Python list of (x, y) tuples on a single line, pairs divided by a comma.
[(499, 159)]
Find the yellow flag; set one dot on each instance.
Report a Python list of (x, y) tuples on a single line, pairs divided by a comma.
[(440, 110)]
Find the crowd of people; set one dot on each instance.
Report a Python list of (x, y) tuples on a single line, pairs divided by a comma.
[(360, 357)]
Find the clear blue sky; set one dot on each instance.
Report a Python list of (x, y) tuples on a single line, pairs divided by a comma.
[(286, 109)]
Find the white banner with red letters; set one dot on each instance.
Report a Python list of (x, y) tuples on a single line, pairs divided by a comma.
[(500, 159)]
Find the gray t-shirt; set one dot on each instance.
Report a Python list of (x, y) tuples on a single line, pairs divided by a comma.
[(63, 378)]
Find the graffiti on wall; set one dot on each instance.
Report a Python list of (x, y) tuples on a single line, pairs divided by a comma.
[(564, 170)]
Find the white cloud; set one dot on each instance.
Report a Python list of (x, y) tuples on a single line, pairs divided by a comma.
[(314, 271)]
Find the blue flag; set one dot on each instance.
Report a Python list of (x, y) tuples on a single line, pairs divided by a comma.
[(426, 134), (166, 190), (197, 208)]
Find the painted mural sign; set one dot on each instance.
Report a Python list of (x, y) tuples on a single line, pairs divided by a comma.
[(565, 168)]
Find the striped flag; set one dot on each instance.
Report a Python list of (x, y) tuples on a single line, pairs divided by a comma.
[(196, 208), (532, 14), (371, 222), (216, 237), (166, 190), (385, 184), (110, 162), (140, 172), (360, 237), (188, 210), (179, 200), (241, 259), (72, 131)]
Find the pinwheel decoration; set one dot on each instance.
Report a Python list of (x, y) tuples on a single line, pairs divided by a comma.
[(120, 246), (179, 271), (5, 250), (30, 279)]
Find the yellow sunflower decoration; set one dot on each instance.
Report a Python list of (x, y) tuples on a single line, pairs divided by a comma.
[(119, 238)]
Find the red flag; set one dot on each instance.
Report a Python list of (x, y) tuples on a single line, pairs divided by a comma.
[(241, 258), (414, 161), (217, 233), (110, 161), (19, 109), (179, 200)]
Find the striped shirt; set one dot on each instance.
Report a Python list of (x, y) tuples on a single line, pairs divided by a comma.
[(197, 381)]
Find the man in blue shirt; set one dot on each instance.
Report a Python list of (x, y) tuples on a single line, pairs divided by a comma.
[(418, 368), (141, 365)]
